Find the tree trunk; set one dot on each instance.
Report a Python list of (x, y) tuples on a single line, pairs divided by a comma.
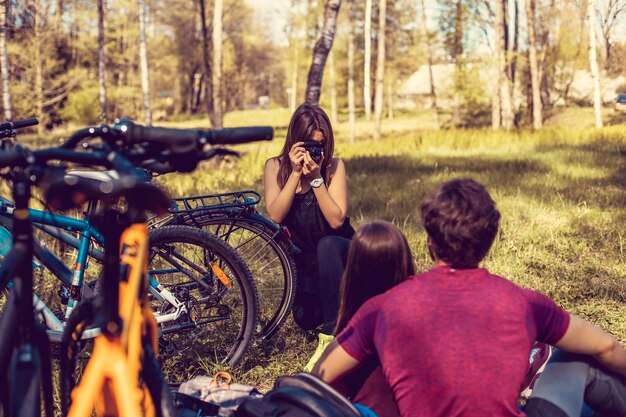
[(515, 50), (333, 87), (506, 105), (38, 64), (496, 111), (389, 83), (431, 80), (351, 47), (58, 15), (294, 79), (217, 64), (4, 60), (607, 51), (143, 62), (367, 65), (380, 69), (320, 51), (593, 64), (532, 58), (102, 64), (456, 56), (208, 76)]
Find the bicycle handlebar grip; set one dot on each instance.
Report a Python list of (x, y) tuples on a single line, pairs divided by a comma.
[(178, 141), (18, 124), (236, 135)]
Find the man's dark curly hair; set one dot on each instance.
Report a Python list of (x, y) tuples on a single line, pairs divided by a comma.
[(461, 220)]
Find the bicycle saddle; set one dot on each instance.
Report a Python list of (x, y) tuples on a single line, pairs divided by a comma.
[(72, 191)]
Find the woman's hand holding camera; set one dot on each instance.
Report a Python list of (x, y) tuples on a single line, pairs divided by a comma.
[(296, 156), (302, 163), (310, 169)]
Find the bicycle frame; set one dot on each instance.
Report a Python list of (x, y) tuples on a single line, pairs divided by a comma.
[(56, 225), (25, 359), (110, 379)]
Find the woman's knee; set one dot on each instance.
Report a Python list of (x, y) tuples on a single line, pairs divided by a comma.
[(332, 245)]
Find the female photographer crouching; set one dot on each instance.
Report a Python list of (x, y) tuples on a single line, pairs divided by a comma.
[(305, 190)]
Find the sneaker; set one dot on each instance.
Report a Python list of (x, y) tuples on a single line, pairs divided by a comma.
[(324, 341), (539, 356)]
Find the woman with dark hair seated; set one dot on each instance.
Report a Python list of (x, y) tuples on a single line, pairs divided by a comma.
[(378, 259), (306, 191)]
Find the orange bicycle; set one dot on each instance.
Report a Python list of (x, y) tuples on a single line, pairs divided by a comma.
[(122, 377)]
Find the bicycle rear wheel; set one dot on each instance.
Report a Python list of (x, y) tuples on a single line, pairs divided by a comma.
[(270, 261), (216, 289)]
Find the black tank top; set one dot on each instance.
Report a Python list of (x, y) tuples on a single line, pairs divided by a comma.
[(305, 222)]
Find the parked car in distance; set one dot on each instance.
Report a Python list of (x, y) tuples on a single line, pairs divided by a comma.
[(620, 102)]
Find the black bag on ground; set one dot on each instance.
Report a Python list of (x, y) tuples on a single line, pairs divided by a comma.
[(299, 395)]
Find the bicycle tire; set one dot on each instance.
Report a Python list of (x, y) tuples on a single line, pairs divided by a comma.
[(270, 261), (214, 338)]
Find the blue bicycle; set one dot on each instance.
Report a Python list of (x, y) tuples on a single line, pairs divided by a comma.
[(183, 260)]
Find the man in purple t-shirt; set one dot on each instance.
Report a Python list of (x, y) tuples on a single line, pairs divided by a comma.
[(455, 341)]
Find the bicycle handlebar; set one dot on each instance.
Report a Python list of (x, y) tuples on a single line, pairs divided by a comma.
[(18, 124), (185, 138), (177, 141)]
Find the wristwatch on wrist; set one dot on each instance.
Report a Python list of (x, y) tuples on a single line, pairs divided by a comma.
[(317, 182)]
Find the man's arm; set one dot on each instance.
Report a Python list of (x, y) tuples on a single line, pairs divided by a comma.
[(586, 338), (334, 363)]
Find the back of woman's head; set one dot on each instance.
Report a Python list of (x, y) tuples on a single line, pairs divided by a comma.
[(307, 119), (378, 259)]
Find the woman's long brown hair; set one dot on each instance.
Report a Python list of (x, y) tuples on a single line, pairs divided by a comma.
[(378, 259), (305, 120)]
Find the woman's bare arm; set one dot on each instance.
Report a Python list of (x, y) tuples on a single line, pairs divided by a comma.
[(334, 363), (278, 200), (332, 197)]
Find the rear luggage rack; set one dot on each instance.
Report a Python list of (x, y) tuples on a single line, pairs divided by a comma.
[(189, 210), (239, 199)]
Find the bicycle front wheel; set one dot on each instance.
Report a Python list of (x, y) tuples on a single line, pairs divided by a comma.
[(205, 300)]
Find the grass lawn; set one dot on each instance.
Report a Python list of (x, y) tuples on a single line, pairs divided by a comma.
[(561, 192)]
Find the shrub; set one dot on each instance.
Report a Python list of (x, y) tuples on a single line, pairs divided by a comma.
[(82, 106)]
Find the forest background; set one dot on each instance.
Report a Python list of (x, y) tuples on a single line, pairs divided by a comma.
[(76, 62)]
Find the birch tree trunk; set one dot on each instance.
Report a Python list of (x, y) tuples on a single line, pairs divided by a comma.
[(351, 47), (207, 64), (431, 80), (102, 64), (321, 50), (496, 113), (294, 79), (380, 69), (333, 87), (367, 65), (38, 64), (389, 83), (4, 60), (506, 105), (593, 64), (143, 63), (458, 64), (217, 64), (532, 57)]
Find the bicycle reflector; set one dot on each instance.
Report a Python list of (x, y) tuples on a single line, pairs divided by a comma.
[(220, 275)]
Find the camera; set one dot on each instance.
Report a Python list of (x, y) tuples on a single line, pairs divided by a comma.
[(315, 149)]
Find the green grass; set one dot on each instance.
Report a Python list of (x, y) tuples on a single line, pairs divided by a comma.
[(561, 192)]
